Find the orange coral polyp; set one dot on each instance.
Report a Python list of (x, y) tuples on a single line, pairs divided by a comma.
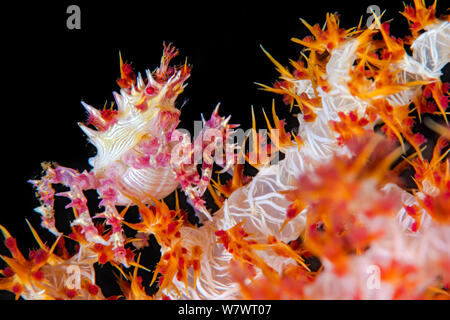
[(420, 16), (328, 39)]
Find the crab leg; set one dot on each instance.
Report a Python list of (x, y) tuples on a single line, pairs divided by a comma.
[(191, 182), (77, 183), (109, 198)]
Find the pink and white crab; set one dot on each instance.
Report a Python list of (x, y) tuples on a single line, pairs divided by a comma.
[(139, 154)]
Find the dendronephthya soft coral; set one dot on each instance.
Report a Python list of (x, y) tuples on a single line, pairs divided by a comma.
[(336, 196)]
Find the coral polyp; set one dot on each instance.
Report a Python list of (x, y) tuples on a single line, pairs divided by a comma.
[(352, 209)]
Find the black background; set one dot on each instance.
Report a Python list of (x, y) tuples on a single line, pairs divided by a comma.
[(49, 69)]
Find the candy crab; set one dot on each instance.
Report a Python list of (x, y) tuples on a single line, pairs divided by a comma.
[(140, 154)]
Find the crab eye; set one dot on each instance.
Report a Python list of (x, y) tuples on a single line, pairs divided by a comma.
[(150, 90)]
